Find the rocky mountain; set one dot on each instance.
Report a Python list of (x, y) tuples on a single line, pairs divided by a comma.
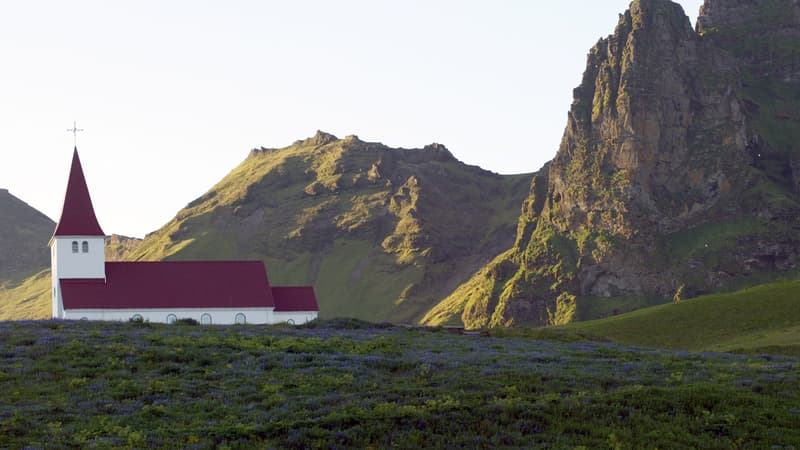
[(24, 233), (382, 233), (678, 173)]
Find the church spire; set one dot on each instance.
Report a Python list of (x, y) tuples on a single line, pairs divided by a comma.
[(77, 215)]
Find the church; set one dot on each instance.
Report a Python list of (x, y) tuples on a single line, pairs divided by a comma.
[(87, 287)]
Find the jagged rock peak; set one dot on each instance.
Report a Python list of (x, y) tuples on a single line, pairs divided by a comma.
[(657, 15), (439, 150), (764, 35), (321, 138), (261, 151), (717, 13)]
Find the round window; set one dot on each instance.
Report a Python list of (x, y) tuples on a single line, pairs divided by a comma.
[(172, 318), (205, 319), (240, 319)]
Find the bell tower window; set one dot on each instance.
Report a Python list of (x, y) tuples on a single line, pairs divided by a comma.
[(85, 247), (74, 246)]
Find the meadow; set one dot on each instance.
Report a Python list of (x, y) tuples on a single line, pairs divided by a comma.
[(759, 319), (349, 384)]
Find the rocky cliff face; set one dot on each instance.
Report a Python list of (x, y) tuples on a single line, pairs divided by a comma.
[(678, 170)]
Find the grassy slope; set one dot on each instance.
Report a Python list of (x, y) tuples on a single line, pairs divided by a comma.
[(760, 319), (381, 233), (28, 300), (347, 385)]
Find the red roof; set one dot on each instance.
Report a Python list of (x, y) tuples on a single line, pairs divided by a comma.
[(77, 215), (172, 284), (294, 298)]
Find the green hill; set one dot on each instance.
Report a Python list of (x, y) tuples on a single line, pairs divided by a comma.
[(381, 233), (24, 259), (762, 319)]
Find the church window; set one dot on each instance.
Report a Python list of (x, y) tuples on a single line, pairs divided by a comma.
[(74, 246), (240, 319), (137, 318), (205, 319), (172, 318), (85, 247), (290, 321)]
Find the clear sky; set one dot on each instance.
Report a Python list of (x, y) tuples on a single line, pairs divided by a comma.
[(173, 94)]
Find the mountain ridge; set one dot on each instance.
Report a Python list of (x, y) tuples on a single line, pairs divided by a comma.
[(677, 172)]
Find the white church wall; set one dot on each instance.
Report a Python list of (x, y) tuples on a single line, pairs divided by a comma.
[(68, 264), (219, 316), (294, 317), (79, 265)]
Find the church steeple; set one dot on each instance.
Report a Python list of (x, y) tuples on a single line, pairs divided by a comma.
[(77, 214), (77, 246)]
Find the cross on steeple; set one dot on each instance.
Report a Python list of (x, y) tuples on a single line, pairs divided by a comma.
[(75, 130)]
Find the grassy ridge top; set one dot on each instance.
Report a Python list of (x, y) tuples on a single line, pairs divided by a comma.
[(765, 318), (346, 384)]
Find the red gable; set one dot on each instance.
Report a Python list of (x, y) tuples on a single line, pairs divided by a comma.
[(294, 298), (77, 215), (172, 284)]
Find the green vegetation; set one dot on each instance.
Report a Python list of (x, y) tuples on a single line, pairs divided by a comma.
[(707, 238), (30, 299), (348, 384), (759, 319)]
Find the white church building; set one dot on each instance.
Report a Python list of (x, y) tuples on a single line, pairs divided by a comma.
[(87, 287)]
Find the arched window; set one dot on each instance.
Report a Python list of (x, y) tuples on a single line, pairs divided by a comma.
[(205, 319), (137, 318), (290, 321), (74, 246), (240, 319), (172, 318), (85, 247)]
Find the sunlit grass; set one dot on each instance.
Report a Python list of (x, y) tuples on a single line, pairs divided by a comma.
[(761, 317)]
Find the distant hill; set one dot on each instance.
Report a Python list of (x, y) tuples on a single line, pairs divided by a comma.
[(24, 233), (24, 259), (383, 234), (762, 319)]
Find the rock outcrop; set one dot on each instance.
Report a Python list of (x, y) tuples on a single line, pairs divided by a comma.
[(678, 169)]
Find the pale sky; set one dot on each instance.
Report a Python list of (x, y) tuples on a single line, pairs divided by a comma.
[(172, 95)]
